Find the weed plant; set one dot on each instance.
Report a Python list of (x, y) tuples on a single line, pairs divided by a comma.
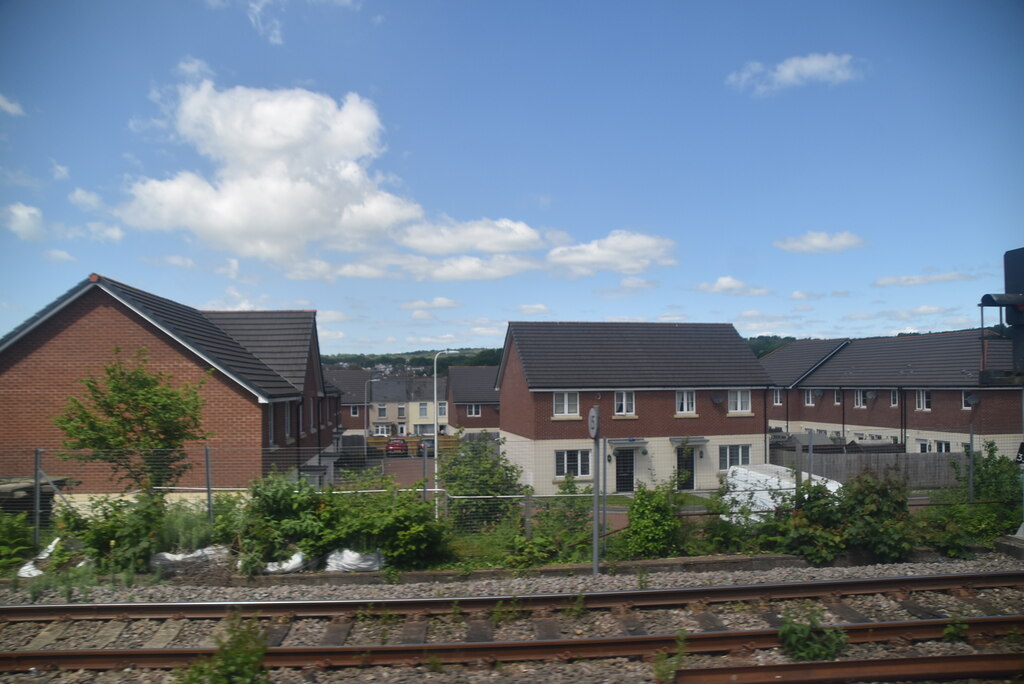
[(239, 657), (803, 637)]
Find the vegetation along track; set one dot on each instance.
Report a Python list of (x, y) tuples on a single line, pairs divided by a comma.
[(495, 628)]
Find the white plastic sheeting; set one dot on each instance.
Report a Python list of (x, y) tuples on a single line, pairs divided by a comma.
[(346, 560), (751, 487)]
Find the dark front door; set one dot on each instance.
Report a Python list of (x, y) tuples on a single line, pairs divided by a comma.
[(684, 467), (624, 470)]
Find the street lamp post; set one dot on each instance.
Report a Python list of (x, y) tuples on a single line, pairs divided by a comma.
[(366, 414), (437, 437)]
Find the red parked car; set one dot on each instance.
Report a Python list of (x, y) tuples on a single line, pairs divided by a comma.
[(397, 447)]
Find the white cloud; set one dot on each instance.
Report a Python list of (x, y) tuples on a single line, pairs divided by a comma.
[(85, 200), (900, 281), (532, 309), (488, 332), (444, 340), (485, 235), (671, 318), (229, 269), (622, 251), (10, 106), (435, 303), (265, 25), (58, 255), (59, 171), (102, 232), (635, 283), (901, 314), (328, 316), (194, 68), (421, 315), (814, 242), (236, 300), (753, 319), (467, 267), (329, 334), (802, 294), (25, 221), (828, 68), (731, 286), (179, 261)]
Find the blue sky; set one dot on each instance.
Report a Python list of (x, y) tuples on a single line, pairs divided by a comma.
[(423, 172)]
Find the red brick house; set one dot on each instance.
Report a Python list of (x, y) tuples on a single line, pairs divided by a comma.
[(673, 398), (266, 402), (473, 398), (922, 391)]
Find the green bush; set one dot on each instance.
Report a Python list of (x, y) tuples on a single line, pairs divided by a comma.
[(479, 468), (186, 527), (877, 517), (654, 530), (803, 637), (15, 540), (118, 534), (239, 657)]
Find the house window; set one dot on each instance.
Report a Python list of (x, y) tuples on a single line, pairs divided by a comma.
[(894, 398), (739, 401), (966, 403), (625, 404), (567, 403), (922, 446), (423, 409), (923, 400), (858, 399), (733, 454), (686, 401), (298, 417), (381, 429), (942, 447), (401, 411), (837, 397), (777, 397), (382, 410), (354, 410), (270, 424), (808, 398), (472, 410), (287, 419), (575, 462), (442, 409)]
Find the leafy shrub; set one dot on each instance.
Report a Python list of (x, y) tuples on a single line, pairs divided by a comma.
[(239, 657), (186, 527), (876, 515), (815, 527), (654, 529), (803, 637), (479, 468), (15, 540), (118, 534)]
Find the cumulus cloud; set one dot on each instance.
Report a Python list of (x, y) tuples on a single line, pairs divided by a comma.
[(58, 255), (85, 200), (103, 232), (435, 303), (468, 267), (622, 251), (901, 314), (329, 316), (485, 235), (11, 107), (421, 315), (532, 309), (758, 79), (901, 281), (59, 171), (753, 319), (812, 242), (25, 221), (230, 269), (179, 261), (731, 286)]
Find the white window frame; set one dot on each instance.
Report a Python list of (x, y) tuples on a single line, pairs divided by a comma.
[(423, 409), (808, 397), (382, 411), (566, 403), (580, 459), (942, 447), (837, 397), (686, 402), (442, 409), (859, 401), (923, 400), (739, 401), (354, 410), (287, 419), (625, 403), (894, 398), (776, 397), (381, 429), (963, 401), (733, 454), (473, 411), (401, 411)]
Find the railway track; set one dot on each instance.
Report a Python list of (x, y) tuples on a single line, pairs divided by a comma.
[(634, 624)]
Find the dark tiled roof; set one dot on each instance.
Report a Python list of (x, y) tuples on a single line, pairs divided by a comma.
[(187, 325), (634, 355), (787, 364), (280, 339), (950, 359), (351, 382), (399, 390), (473, 384)]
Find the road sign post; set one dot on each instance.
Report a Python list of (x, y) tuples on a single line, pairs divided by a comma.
[(594, 428)]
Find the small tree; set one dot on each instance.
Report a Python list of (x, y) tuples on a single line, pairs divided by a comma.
[(134, 420), (479, 468)]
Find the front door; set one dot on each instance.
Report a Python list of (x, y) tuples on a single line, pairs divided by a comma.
[(623, 470), (684, 467)]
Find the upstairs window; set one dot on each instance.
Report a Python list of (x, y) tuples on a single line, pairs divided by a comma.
[(354, 410), (894, 398), (858, 399), (472, 410), (808, 397), (423, 409), (442, 409), (837, 397), (401, 410), (382, 410), (777, 397), (567, 404), (686, 401), (625, 404), (923, 400), (739, 401)]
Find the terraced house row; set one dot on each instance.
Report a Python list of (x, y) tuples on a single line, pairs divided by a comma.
[(680, 401)]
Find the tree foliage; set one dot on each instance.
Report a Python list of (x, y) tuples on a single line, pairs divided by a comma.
[(135, 420), (479, 468)]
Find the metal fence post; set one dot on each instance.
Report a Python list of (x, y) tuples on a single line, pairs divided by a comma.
[(209, 484), (38, 497), (970, 466)]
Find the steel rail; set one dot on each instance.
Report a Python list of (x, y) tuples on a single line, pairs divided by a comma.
[(365, 655), (646, 598), (972, 666)]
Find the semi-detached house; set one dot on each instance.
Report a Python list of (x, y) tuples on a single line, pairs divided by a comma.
[(674, 399)]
